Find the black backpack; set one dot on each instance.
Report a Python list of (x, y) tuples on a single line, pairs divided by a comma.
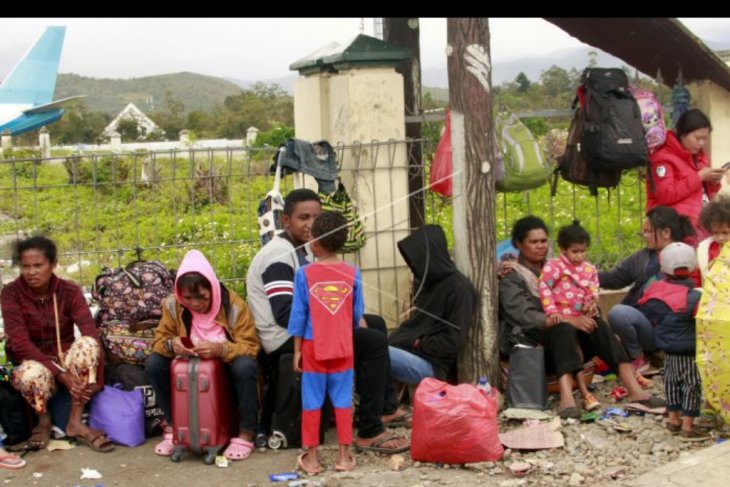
[(606, 135)]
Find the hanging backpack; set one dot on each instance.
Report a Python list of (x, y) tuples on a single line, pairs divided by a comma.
[(652, 117), (525, 163), (573, 167), (271, 208), (613, 135), (133, 293), (340, 201)]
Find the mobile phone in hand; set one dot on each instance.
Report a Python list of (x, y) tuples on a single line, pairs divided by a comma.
[(187, 342)]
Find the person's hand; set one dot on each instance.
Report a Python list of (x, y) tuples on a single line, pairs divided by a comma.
[(78, 390), (208, 350), (590, 308), (179, 349), (505, 267), (554, 319), (711, 174), (297, 361), (582, 323), (363, 323)]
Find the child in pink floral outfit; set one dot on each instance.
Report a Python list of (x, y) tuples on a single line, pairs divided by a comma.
[(569, 287)]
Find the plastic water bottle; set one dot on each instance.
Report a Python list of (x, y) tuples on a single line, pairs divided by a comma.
[(483, 385)]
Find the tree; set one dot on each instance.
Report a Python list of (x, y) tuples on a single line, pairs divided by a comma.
[(556, 81), (262, 106), (79, 125), (523, 83), (171, 117)]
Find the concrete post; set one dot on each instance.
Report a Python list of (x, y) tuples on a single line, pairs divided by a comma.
[(115, 141), (251, 135), (361, 105), (185, 138), (44, 141), (6, 141)]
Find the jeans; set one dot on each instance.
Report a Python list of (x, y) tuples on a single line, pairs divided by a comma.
[(634, 329), (244, 377), (407, 367)]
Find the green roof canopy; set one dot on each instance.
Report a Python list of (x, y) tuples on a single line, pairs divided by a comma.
[(361, 51)]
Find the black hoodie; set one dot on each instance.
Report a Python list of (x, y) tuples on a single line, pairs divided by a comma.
[(445, 301)]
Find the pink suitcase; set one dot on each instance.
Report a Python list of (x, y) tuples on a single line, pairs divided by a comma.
[(204, 414)]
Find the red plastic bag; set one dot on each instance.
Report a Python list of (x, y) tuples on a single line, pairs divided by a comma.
[(454, 424), (440, 178)]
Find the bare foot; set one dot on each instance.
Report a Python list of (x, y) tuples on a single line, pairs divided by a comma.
[(41, 434)]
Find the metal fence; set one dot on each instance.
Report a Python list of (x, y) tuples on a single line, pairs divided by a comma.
[(105, 210)]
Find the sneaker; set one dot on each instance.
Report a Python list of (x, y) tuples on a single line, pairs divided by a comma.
[(590, 402), (643, 382), (693, 435)]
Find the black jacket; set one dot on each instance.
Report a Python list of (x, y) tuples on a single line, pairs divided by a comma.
[(521, 317), (445, 301), (635, 270)]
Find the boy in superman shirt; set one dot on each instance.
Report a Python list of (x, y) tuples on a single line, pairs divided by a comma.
[(327, 306)]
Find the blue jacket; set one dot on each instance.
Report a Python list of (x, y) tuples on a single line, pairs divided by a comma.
[(671, 311)]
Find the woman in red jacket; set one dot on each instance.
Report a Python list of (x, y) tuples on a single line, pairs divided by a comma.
[(39, 310), (681, 172)]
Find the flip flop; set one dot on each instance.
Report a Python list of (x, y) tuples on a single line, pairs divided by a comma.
[(43, 443), (571, 412), (346, 467), (308, 470), (238, 449), (104, 446), (401, 421), (377, 445), (11, 461)]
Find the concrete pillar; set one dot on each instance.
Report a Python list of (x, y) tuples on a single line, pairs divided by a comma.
[(185, 138), (6, 140), (251, 135), (115, 142), (358, 106), (44, 141), (714, 102)]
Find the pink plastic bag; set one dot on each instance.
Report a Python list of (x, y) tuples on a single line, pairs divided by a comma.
[(454, 424), (440, 179)]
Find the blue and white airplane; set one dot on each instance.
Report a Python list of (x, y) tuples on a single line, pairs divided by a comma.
[(26, 94)]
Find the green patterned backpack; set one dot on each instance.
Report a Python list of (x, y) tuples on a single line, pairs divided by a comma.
[(340, 201)]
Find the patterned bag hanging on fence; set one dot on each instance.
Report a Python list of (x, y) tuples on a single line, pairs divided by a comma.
[(340, 201), (271, 208)]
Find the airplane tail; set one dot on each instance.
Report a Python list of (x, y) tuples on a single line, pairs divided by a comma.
[(33, 79)]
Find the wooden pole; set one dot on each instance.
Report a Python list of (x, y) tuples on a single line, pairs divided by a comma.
[(470, 75), (404, 32)]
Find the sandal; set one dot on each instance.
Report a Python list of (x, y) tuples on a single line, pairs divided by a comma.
[(238, 449), (346, 467), (673, 428), (11, 461), (652, 402), (98, 441), (378, 442), (693, 435), (42, 437), (166, 446), (309, 470)]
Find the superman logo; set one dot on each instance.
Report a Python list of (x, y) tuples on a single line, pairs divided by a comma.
[(331, 294)]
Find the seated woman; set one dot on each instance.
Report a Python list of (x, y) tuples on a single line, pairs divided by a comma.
[(196, 310), (663, 226), (40, 310), (522, 320)]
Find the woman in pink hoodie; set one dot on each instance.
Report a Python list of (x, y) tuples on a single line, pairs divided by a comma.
[(219, 325)]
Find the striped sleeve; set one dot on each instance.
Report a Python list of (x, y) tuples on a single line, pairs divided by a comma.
[(279, 288)]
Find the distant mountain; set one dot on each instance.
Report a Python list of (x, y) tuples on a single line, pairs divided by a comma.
[(287, 82), (195, 91), (567, 58)]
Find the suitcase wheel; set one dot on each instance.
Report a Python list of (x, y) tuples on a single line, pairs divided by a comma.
[(277, 440), (209, 457), (176, 455)]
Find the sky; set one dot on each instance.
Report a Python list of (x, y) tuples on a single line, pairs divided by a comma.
[(261, 48)]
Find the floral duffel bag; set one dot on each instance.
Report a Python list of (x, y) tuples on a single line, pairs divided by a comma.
[(127, 342)]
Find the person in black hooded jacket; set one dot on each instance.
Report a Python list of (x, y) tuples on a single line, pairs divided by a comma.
[(427, 344)]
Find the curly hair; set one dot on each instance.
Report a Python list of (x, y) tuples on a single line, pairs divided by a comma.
[(716, 212), (573, 234), (330, 230)]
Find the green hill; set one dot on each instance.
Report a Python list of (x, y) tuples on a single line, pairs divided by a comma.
[(196, 91)]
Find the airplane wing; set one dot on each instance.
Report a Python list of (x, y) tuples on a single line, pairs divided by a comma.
[(53, 105)]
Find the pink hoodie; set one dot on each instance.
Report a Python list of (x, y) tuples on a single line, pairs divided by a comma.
[(204, 327)]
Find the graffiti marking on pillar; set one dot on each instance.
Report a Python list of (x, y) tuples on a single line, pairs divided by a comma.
[(478, 64)]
